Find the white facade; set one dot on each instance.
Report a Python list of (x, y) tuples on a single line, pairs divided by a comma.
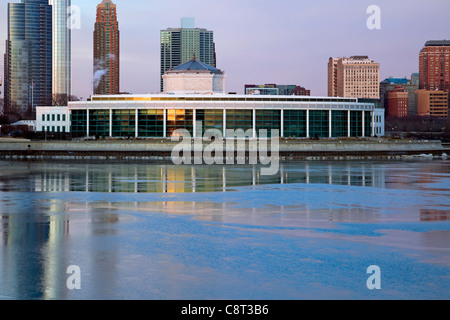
[(52, 119), (194, 83), (379, 130)]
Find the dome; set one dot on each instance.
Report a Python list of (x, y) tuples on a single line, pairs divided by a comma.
[(195, 66)]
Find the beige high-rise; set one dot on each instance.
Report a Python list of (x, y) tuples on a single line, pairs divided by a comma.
[(354, 77)]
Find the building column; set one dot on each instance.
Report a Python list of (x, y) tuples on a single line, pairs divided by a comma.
[(110, 122), (329, 124), (87, 122), (282, 123), (363, 123), (307, 123), (136, 127), (254, 123), (224, 126), (348, 123), (164, 123), (194, 123)]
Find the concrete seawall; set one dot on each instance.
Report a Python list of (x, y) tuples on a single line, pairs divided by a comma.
[(161, 149)]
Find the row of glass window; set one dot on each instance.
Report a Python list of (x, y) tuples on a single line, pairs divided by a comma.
[(53, 117), (151, 122)]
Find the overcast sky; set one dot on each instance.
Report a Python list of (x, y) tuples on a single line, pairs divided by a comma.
[(261, 41)]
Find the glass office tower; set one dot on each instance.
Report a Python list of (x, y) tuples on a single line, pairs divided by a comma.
[(62, 61), (179, 45), (28, 58)]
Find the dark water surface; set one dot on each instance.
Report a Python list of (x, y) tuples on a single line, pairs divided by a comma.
[(153, 231)]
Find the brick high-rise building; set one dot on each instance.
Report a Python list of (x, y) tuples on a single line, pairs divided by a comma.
[(354, 77), (106, 50), (434, 66), (397, 102), (434, 76), (390, 84)]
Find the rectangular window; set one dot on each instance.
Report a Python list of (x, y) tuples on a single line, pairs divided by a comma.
[(295, 123), (151, 123), (78, 123), (179, 119), (99, 123), (210, 119), (123, 123), (356, 123), (339, 123), (319, 124), (43, 117), (239, 119), (268, 120)]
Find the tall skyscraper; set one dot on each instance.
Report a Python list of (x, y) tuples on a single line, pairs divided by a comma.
[(28, 57), (434, 75), (180, 45), (354, 77), (106, 50), (434, 66), (62, 59)]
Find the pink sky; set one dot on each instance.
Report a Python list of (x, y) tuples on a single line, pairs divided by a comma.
[(284, 42)]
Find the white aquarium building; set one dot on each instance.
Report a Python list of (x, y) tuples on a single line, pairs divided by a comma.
[(160, 115)]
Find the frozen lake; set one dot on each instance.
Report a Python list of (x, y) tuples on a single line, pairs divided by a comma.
[(153, 231)]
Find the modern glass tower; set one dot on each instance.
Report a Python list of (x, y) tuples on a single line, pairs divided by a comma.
[(179, 45), (62, 61), (28, 57), (106, 50)]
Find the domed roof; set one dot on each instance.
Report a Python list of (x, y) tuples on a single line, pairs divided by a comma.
[(195, 66)]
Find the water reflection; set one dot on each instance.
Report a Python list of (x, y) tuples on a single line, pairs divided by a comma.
[(143, 178), (53, 215)]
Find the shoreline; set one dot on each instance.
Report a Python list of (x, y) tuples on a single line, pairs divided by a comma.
[(161, 149)]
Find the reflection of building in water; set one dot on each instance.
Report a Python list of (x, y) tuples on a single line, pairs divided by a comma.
[(434, 215), (187, 179), (32, 249)]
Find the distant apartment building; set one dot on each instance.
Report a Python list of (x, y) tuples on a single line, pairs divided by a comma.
[(180, 45), (434, 66), (432, 103), (106, 78), (397, 102), (274, 89), (415, 79), (434, 70), (354, 77), (410, 88)]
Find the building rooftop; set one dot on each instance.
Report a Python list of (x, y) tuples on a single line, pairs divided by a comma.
[(437, 43), (196, 66), (395, 81)]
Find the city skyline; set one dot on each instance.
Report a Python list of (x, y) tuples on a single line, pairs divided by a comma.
[(289, 42)]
